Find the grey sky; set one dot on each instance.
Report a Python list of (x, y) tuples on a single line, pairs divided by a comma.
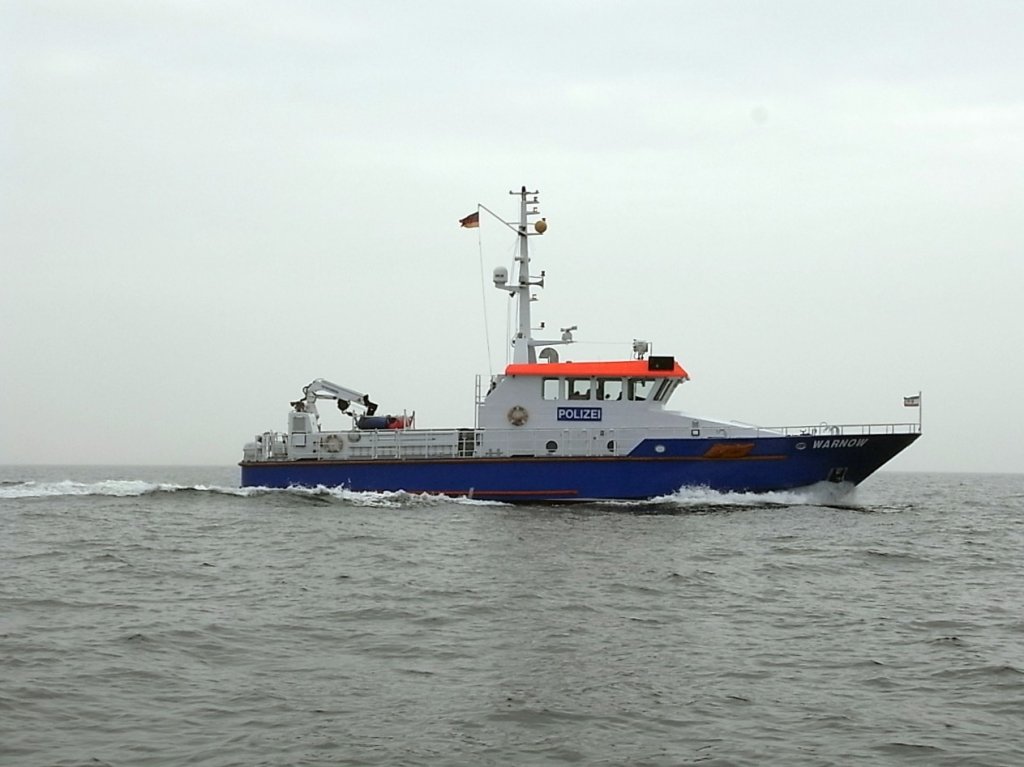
[(817, 206)]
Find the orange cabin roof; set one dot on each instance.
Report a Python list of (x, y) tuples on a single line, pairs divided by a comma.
[(617, 369)]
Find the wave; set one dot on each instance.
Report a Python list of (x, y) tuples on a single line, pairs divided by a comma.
[(687, 499), (384, 499), (831, 494), (117, 488), (128, 488)]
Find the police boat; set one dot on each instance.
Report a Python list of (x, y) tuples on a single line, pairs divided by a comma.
[(553, 430)]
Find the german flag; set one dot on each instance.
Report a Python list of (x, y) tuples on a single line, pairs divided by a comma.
[(472, 221)]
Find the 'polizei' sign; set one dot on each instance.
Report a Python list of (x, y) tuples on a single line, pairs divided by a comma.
[(578, 414)]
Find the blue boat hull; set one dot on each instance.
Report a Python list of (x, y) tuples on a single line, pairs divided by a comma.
[(655, 468)]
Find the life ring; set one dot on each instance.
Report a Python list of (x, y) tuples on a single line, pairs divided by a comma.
[(517, 416), (331, 444)]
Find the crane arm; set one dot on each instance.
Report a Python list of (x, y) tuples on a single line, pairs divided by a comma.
[(323, 389)]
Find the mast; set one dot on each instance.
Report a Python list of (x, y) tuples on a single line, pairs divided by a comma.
[(522, 346), (523, 343)]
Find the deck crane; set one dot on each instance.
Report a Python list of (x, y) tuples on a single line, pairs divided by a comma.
[(323, 389)]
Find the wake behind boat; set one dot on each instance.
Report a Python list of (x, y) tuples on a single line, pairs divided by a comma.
[(554, 430)]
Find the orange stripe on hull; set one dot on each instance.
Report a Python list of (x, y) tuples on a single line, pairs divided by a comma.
[(729, 451)]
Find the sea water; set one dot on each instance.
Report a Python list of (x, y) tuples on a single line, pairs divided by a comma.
[(167, 617)]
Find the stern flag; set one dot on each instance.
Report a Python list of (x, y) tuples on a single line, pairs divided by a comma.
[(914, 401), (471, 221)]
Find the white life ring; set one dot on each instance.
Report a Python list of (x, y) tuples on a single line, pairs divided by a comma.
[(518, 415), (331, 444)]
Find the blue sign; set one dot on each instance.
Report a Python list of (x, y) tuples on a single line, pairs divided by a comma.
[(579, 414)]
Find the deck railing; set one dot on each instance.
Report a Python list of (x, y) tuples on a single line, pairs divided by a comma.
[(475, 443)]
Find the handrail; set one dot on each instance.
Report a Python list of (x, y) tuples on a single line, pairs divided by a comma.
[(416, 444)]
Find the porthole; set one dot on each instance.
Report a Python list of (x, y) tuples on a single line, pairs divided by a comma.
[(659, 448)]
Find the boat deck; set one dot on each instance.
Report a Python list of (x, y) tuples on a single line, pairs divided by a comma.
[(470, 443)]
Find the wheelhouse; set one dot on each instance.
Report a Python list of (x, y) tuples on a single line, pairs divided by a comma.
[(650, 380)]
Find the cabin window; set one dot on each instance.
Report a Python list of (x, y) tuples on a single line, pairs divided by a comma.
[(664, 390), (579, 388), (550, 388), (609, 388), (640, 388)]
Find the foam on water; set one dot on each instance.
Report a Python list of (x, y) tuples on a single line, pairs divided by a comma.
[(127, 488), (696, 498), (117, 488), (821, 494)]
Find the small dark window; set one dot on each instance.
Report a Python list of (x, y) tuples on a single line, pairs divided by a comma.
[(640, 388), (579, 388), (609, 389)]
